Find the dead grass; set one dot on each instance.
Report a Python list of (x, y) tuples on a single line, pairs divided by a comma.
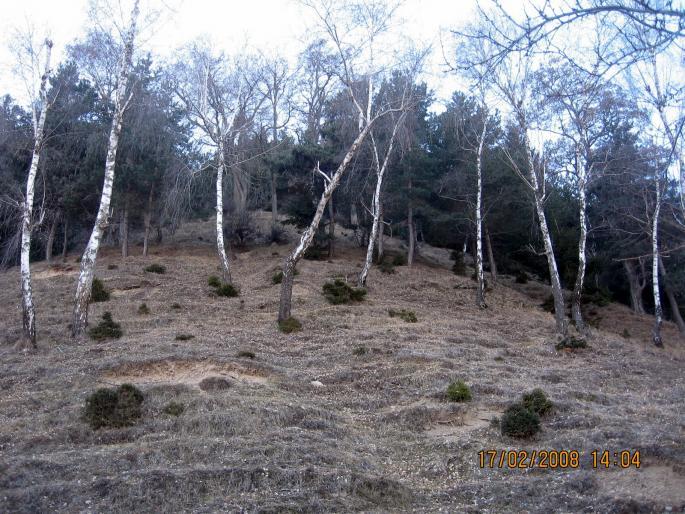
[(377, 435)]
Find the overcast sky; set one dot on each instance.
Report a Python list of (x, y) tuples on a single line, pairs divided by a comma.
[(264, 24)]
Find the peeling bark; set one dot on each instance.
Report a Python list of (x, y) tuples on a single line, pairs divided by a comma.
[(658, 313)]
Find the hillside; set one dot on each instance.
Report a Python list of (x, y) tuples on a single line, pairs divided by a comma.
[(349, 414)]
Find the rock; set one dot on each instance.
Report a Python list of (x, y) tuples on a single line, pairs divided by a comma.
[(316, 383)]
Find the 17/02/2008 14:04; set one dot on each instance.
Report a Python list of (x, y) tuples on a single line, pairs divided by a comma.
[(555, 459)]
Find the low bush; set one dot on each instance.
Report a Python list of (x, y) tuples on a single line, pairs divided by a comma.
[(143, 309), (408, 316), (314, 253), (114, 407), (387, 267), (536, 401), (176, 306), (571, 343), (339, 292), (112, 266), (599, 297), (548, 304), (359, 351), (156, 268), (227, 290), (458, 268), (174, 409), (246, 354), (184, 337), (399, 260), (278, 235), (518, 421), (521, 277), (289, 325), (98, 292), (458, 391), (214, 384), (213, 281), (106, 329)]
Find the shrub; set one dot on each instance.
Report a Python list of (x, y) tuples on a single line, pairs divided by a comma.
[(227, 290), (399, 260), (599, 297), (360, 350), (98, 293), (289, 325), (184, 337), (174, 408), (313, 253), (387, 267), (536, 401), (176, 306), (214, 384), (408, 316), (106, 329), (213, 281), (143, 309), (247, 354), (156, 268), (548, 304), (521, 277), (458, 392), (458, 268), (112, 266), (626, 333), (114, 407), (338, 292), (571, 343), (518, 421)]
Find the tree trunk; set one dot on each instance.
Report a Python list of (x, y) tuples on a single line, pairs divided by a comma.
[(411, 228), (28, 340), (354, 217), (274, 200), (49, 245), (480, 290), (576, 311), (65, 239), (331, 228), (85, 280), (637, 285), (381, 234), (670, 294), (123, 231), (491, 256), (221, 250), (285, 306), (147, 219), (658, 313)]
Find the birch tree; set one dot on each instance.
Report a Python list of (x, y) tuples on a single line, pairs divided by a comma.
[(30, 63), (121, 99)]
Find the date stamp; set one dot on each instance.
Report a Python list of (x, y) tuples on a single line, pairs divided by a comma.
[(558, 459)]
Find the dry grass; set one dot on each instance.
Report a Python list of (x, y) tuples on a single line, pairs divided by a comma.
[(378, 435)]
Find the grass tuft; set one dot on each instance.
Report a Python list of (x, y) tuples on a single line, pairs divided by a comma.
[(408, 316), (174, 409), (246, 354), (339, 292), (143, 309), (290, 325), (156, 268), (571, 343), (106, 329), (184, 337)]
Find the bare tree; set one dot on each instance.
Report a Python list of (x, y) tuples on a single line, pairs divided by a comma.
[(121, 99)]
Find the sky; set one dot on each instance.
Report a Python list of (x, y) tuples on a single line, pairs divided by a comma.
[(265, 25)]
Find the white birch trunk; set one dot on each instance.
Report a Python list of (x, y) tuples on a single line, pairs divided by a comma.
[(39, 114), (480, 290), (576, 312), (85, 280), (221, 249), (658, 313)]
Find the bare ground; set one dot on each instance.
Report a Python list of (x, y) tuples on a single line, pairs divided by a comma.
[(376, 436)]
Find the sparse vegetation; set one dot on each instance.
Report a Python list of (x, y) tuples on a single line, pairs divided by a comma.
[(518, 421), (174, 408), (360, 350), (114, 408), (213, 281), (227, 290), (98, 292), (458, 391), (340, 292), (106, 329), (143, 309), (406, 315), (246, 354), (399, 260), (112, 266), (212, 384), (386, 267), (176, 306), (184, 337), (521, 277), (156, 268), (290, 325), (571, 343)]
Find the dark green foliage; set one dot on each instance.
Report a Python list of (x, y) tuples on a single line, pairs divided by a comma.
[(156, 268), (143, 309), (174, 409), (314, 253), (521, 277), (339, 292), (536, 401), (518, 421), (98, 293), (114, 407), (184, 337), (106, 329), (289, 325), (571, 343), (458, 391), (227, 290), (246, 354), (458, 268), (600, 297), (360, 350), (408, 316), (399, 260), (548, 304), (387, 267), (213, 281)]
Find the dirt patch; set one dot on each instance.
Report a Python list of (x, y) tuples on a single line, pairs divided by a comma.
[(655, 481), (189, 372), (459, 427), (53, 272)]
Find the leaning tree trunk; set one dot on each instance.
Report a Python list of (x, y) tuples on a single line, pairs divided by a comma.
[(580, 275), (85, 280), (50, 244), (491, 256), (670, 294), (480, 289), (221, 249), (147, 220), (28, 340), (285, 306), (658, 313), (636, 285)]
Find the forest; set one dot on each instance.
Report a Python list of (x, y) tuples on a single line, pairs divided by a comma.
[(237, 199)]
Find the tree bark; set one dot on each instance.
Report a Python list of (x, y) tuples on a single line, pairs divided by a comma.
[(65, 239), (147, 221), (381, 234), (274, 200), (221, 249), (636, 285), (576, 311), (491, 256), (49, 245), (85, 280), (670, 294), (285, 305), (658, 313), (480, 290)]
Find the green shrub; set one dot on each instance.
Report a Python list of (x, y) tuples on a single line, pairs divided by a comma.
[(458, 268), (339, 292), (536, 401), (399, 260), (571, 343), (289, 325), (458, 392), (114, 407), (213, 281), (521, 277), (184, 337), (143, 309), (247, 354), (174, 409), (98, 293), (106, 329), (599, 297), (156, 268), (387, 267), (227, 290), (518, 421), (360, 350), (408, 316)]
